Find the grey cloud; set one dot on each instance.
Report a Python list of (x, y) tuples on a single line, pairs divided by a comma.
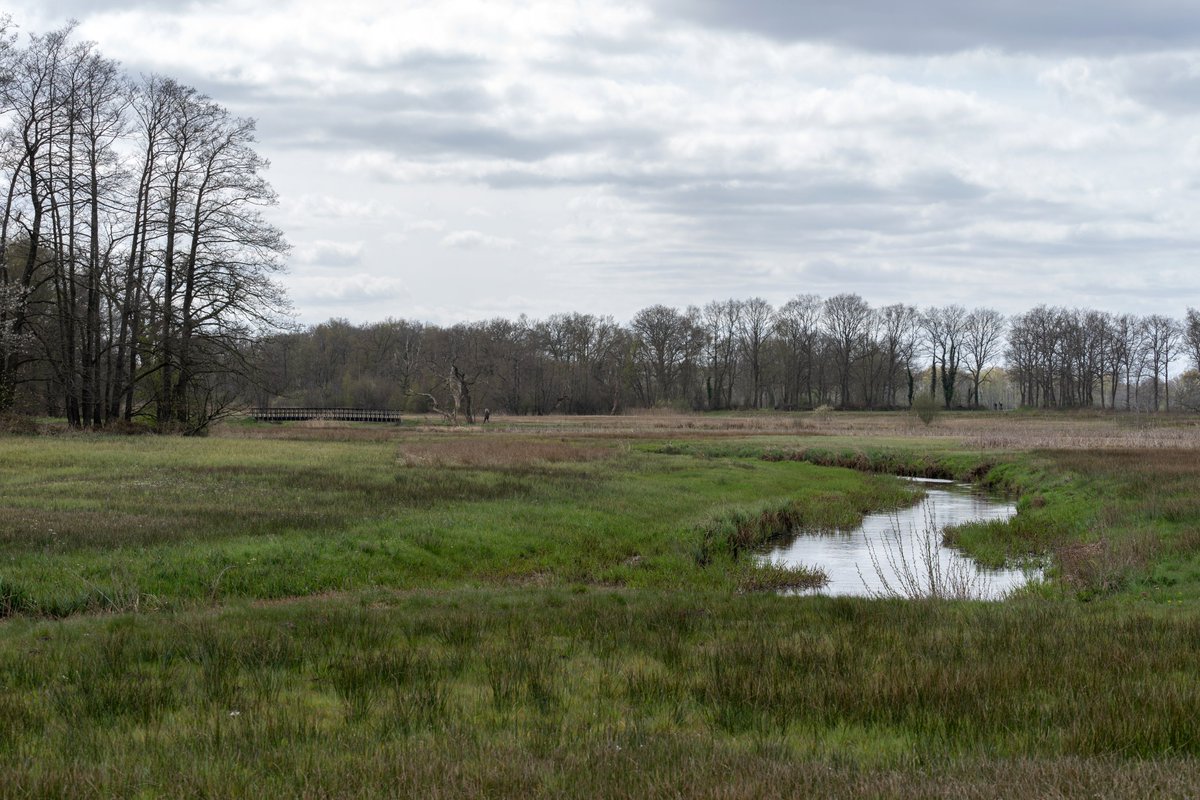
[(941, 26), (419, 136), (929, 218), (74, 9), (464, 138), (330, 253), (298, 98), (448, 123), (1169, 83), (431, 64), (800, 190)]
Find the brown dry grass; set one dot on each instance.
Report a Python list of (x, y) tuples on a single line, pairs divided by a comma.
[(1150, 466), (977, 430), (983, 431), (311, 431)]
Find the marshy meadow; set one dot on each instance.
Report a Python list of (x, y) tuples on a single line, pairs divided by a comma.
[(578, 607)]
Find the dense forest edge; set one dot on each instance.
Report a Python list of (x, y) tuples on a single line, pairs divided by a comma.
[(746, 355)]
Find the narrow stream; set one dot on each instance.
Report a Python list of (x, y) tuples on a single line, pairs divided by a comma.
[(895, 549)]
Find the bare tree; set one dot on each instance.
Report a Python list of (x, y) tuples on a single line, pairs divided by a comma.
[(99, 99), (146, 259), (149, 101), (1162, 336), (457, 358), (846, 318), (753, 330), (983, 338), (30, 95), (1191, 337), (721, 320), (13, 343), (899, 325), (218, 253), (798, 328), (1125, 343), (666, 343), (945, 329)]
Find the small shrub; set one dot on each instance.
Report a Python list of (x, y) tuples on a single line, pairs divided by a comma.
[(925, 408), (1095, 569)]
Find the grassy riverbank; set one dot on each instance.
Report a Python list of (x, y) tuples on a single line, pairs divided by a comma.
[(556, 608), (103, 523)]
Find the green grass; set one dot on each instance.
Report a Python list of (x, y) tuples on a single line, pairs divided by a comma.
[(123, 523), (354, 612), (486, 692)]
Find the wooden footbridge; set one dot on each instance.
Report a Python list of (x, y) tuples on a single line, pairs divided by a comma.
[(337, 414)]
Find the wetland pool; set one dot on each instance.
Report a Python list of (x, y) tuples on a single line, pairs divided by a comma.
[(900, 552)]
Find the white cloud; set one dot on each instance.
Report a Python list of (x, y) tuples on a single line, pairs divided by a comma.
[(329, 207), (330, 254), (654, 151), (345, 289), (471, 240)]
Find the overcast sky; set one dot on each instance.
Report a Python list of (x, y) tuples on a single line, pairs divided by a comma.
[(455, 160)]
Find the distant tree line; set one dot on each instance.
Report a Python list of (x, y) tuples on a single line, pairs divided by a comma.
[(746, 354), (136, 268)]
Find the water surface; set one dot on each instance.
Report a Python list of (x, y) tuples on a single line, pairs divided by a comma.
[(897, 537)]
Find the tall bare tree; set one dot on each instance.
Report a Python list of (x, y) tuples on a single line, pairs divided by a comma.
[(898, 329), (1162, 338), (945, 329), (721, 320), (754, 328), (1191, 337), (983, 338), (846, 318), (798, 328), (667, 341)]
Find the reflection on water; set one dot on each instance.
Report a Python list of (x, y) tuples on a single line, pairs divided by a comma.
[(845, 556)]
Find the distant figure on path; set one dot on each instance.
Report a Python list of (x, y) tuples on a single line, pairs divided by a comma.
[(487, 414)]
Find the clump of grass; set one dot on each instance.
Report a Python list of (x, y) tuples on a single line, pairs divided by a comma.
[(13, 599), (776, 576), (733, 530), (429, 488), (1104, 566)]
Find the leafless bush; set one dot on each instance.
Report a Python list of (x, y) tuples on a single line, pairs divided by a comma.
[(909, 565)]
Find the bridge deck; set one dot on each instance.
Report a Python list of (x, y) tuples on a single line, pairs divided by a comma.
[(337, 414)]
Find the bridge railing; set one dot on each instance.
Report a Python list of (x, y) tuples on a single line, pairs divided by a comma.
[(336, 414)]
